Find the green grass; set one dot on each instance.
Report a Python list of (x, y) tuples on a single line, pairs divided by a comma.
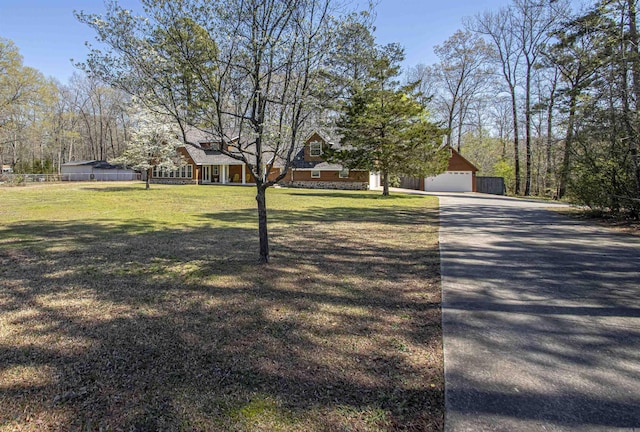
[(126, 309)]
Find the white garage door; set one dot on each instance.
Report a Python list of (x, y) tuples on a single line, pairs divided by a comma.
[(450, 181)]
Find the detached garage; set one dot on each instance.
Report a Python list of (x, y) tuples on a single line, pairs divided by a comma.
[(460, 176), (450, 181)]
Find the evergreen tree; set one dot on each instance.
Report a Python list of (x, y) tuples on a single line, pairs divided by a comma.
[(385, 128)]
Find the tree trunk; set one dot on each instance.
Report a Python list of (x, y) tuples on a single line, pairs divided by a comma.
[(149, 171), (459, 135), (635, 71), (516, 141), (568, 141), (14, 151), (527, 132), (261, 198), (385, 183), (449, 127), (549, 143)]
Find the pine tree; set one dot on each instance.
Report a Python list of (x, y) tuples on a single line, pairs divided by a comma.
[(385, 129)]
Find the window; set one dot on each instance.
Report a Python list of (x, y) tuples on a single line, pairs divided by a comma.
[(215, 170), (315, 174), (344, 173), (315, 148), (182, 172)]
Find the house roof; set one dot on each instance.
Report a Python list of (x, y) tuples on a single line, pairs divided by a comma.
[(211, 156), (202, 156), (298, 162), (78, 163), (322, 136), (458, 163), (198, 136), (94, 164)]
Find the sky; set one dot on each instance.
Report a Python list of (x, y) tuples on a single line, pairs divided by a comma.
[(48, 35)]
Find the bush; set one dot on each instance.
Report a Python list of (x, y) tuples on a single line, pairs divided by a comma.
[(505, 170), (603, 181)]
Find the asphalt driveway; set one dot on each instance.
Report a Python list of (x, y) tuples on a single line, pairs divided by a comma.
[(541, 319)]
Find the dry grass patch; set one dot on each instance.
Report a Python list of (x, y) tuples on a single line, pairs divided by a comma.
[(124, 309), (621, 223)]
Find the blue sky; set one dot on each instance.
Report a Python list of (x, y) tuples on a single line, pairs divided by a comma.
[(48, 35)]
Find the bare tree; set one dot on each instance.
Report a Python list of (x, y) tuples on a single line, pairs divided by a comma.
[(464, 70), (24, 95), (534, 22), (247, 72), (498, 28), (100, 110), (426, 82)]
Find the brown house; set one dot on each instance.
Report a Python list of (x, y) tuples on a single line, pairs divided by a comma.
[(310, 170), (206, 164)]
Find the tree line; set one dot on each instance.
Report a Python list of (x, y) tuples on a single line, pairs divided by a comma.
[(546, 96), (539, 92), (44, 123)]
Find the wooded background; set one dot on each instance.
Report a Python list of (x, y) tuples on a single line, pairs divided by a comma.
[(537, 92)]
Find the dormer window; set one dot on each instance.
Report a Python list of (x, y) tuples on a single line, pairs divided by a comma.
[(315, 149)]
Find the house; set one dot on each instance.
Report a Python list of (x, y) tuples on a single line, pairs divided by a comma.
[(96, 170), (204, 163), (6, 169), (460, 176), (310, 170)]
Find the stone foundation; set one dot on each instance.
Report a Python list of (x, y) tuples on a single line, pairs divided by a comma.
[(176, 181), (328, 185)]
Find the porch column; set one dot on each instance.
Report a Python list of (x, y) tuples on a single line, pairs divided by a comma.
[(244, 174), (223, 174)]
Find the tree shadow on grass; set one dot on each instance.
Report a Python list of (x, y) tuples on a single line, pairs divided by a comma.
[(392, 216), (131, 327), (129, 188), (360, 195)]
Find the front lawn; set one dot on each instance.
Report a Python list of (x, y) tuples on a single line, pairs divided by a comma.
[(133, 310)]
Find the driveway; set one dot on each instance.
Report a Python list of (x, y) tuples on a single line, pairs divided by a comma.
[(541, 319)]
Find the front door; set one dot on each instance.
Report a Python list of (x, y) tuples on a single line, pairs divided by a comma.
[(206, 174)]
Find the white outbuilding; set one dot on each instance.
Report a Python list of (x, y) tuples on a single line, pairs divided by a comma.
[(460, 176), (94, 170)]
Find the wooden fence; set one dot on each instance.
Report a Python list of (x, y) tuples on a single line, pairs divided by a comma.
[(490, 185), (410, 183)]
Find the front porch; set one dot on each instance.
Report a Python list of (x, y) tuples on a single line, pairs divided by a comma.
[(225, 174)]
